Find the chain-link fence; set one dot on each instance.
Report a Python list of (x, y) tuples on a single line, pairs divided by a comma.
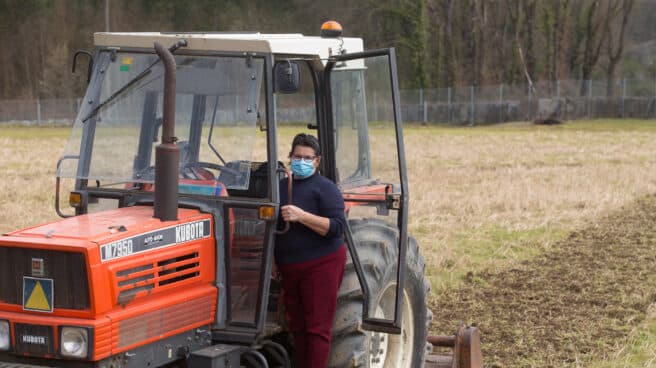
[(39, 111), (473, 105), (558, 100)]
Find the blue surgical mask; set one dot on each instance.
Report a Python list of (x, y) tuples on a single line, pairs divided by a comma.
[(302, 169)]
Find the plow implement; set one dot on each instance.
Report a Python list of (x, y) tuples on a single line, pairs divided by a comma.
[(464, 346)]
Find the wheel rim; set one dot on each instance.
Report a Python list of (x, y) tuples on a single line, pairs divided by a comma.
[(390, 350)]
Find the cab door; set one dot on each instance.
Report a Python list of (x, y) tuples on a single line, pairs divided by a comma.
[(364, 131)]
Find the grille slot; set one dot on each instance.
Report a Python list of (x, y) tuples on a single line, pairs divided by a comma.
[(130, 271), (151, 277), (67, 269), (178, 269), (135, 275)]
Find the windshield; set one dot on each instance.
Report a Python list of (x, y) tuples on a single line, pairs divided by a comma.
[(216, 115)]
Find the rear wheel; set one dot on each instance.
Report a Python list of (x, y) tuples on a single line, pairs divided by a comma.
[(354, 347)]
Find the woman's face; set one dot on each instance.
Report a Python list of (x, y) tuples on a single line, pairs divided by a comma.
[(306, 154)]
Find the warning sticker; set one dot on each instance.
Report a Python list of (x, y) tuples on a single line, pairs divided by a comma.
[(38, 294)]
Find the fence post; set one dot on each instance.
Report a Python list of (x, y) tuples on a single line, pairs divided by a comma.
[(420, 104), (471, 114), (501, 102), (448, 101), (588, 113), (528, 113), (38, 111), (425, 110), (558, 98), (623, 95)]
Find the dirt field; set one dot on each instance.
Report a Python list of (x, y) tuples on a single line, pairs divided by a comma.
[(567, 306), (542, 236)]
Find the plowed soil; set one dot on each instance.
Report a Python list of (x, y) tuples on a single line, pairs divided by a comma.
[(564, 307)]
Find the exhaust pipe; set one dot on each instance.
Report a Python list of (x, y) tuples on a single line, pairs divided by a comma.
[(167, 154)]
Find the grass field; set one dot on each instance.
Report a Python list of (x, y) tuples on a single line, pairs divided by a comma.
[(486, 203)]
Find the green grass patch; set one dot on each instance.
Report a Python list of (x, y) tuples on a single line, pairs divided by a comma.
[(490, 247), (639, 349), (600, 125), (35, 132)]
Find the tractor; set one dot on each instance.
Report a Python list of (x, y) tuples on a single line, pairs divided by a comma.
[(165, 255)]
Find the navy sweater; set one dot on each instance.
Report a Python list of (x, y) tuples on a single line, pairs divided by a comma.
[(320, 196)]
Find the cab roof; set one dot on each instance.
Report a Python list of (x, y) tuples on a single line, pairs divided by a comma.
[(283, 44)]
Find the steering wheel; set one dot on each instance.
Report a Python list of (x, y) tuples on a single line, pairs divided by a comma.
[(147, 173), (189, 167)]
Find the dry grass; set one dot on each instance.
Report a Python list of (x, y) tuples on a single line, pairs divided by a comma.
[(638, 350), (502, 186), (28, 159), (480, 196)]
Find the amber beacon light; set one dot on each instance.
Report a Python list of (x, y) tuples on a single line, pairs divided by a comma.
[(331, 29)]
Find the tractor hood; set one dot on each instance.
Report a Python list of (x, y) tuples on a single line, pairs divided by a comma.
[(116, 233)]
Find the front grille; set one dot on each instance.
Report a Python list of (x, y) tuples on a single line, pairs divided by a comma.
[(164, 321), (151, 277), (34, 339), (67, 270)]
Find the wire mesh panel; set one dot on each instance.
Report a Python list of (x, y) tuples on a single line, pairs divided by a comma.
[(436, 105), (18, 110), (567, 99), (59, 110), (412, 104)]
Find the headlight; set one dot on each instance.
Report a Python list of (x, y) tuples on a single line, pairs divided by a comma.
[(74, 342), (5, 337)]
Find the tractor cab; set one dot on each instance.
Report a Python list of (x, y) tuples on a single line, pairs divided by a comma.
[(232, 94)]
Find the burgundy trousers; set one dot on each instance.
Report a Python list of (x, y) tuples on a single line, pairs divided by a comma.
[(310, 296)]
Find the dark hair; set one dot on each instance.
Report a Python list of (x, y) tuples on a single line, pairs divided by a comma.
[(306, 140)]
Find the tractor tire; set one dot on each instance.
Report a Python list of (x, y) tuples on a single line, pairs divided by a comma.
[(351, 345)]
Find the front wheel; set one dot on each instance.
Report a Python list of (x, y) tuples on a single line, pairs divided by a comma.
[(377, 244)]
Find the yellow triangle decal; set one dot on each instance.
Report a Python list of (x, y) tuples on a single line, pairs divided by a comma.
[(37, 299)]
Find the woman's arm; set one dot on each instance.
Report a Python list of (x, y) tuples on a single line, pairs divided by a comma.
[(318, 224)]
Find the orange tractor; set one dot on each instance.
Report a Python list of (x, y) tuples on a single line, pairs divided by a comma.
[(167, 259)]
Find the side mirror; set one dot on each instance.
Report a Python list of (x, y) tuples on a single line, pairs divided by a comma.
[(89, 67), (287, 76)]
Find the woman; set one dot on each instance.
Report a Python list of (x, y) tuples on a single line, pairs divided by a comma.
[(311, 256)]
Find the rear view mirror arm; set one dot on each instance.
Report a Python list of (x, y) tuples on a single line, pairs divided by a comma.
[(90, 66), (57, 184)]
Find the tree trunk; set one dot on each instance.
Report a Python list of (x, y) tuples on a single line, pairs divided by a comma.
[(615, 54), (529, 29), (557, 31), (593, 43), (449, 47)]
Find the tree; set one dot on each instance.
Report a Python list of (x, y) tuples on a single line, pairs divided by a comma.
[(555, 26), (615, 47), (593, 40), (439, 42), (405, 23)]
